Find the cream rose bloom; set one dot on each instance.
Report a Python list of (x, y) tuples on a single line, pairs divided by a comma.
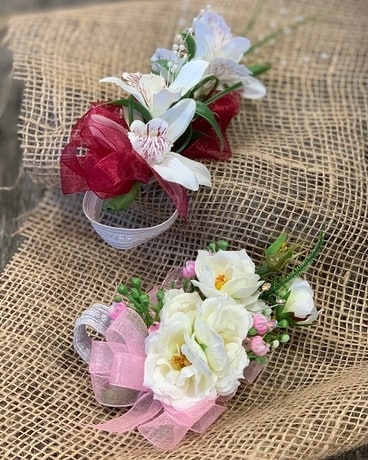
[(223, 325), (176, 300), (227, 272), (300, 302), (194, 358), (176, 368)]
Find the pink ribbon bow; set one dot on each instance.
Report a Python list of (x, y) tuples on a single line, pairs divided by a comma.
[(117, 374)]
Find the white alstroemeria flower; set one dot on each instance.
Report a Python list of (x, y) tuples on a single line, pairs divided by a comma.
[(152, 91), (229, 273), (176, 300), (175, 378), (216, 44), (154, 140), (300, 302)]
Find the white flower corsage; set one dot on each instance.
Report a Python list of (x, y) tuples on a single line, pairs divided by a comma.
[(177, 353)]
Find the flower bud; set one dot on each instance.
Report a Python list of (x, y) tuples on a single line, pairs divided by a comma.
[(116, 309), (283, 323), (122, 289), (284, 338), (189, 269), (260, 323), (275, 344), (259, 346), (137, 283), (223, 245)]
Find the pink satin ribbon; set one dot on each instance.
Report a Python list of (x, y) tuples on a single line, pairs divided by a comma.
[(117, 373)]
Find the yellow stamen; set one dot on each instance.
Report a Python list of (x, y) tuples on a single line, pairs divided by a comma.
[(179, 361), (220, 281)]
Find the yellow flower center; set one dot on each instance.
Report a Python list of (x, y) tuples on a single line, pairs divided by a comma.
[(179, 361), (220, 281)]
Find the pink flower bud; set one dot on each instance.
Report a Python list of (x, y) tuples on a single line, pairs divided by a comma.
[(259, 346), (116, 309), (155, 327), (261, 324), (189, 269)]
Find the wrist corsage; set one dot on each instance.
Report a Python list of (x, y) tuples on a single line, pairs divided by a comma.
[(172, 117), (177, 353)]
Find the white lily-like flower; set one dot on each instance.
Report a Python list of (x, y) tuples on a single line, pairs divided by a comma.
[(216, 44), (152, 91), (154, 140)]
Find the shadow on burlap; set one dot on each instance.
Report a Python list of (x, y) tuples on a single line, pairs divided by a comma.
[(298, 164)]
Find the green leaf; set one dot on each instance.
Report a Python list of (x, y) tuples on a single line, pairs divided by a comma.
[(136, 106), (163, 63), (130, 109), (257, 69), (203, 111), (190, 94), (190, 44), (184, 140)]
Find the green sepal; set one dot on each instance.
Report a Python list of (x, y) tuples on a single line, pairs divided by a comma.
[(276, 245), (203, 111)]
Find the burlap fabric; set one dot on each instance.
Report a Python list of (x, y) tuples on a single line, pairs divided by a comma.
[(298, 165)]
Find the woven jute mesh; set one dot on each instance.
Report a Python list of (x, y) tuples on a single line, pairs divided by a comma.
[(298, 165)]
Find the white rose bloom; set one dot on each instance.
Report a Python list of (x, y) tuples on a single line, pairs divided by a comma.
[(193, 358), (230, 322), (229, 319), (300, 302), (227, 272), (176, 300), (176, 368)]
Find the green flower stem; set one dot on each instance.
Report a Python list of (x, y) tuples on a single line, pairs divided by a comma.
[(223, 93), (279, 32), (252, 21)]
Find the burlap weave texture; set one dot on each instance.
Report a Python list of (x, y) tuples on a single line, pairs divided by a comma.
[(298, 164)]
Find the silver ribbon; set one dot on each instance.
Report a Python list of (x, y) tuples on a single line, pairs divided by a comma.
[(95, 317)]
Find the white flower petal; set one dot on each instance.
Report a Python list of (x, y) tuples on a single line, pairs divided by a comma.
[(213, 345), (173, 169), (125, 87), (179, 117), (228, 71), (235, 48), (204, 39), (189, 75), (253, 88), (201, 172), (150, 140), (162, 100)]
